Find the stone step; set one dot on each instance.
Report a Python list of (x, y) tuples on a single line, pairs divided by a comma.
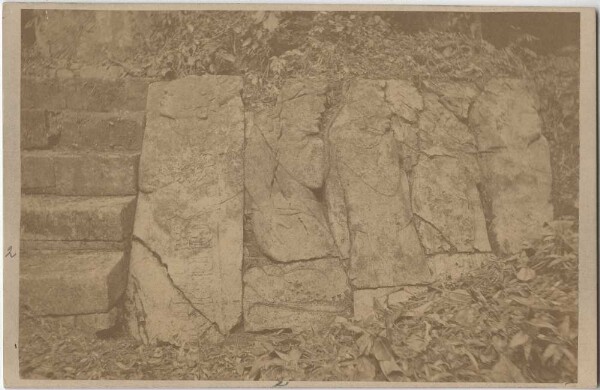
[(87, 323), (73, 246), (67, 283), (82, 130), (87, 94), (64, 218), (68, 173)]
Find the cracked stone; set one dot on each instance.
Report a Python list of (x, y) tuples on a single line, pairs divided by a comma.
[(190, 208), (156, 310), (456, 97), (385, 249), (302, 295), (285, 161), (515, 163), (404, 98), (441, 133), (447, 202)]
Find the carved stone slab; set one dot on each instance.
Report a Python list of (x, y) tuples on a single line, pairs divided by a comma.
[(365, 163), (286, 161), (515, 162), (190, 207)]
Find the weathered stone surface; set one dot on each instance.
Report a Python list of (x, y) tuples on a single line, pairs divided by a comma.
[(156, 309), (452, 266), (67, 283), (74, 246), (515, 163), (35, 132), (37, 173), (441, 133), (445, 197), (76, 130), (337, 213), (456, 97), (385, 249), (84, 94), (87, 323), (448, 208), (405, 99), (285, 161), (99, 174), (406, 135), (55, 218), (42, 93), (190, 209), (300, 295)]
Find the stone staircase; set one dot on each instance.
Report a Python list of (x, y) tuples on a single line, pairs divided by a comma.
[(80, 145)]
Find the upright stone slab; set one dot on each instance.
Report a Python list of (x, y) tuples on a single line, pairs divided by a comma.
[(189, 217), (515, 162), (294, 277), (286, 161), (445, 197), (369, 182)]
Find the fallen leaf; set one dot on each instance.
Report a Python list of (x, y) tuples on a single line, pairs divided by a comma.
[(506, 371), (518, 339), (526, 274), (365, 369)]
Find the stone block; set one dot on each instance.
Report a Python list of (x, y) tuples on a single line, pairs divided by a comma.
[(37, 173), (66, 283), (286, 161), (365, 159), (157, 311), (101, 95), (56, 218), (84, 94), (447, 206), (190, 208), (515, 163), (299, 295), (35, 132), (42, 94), (100, 174), (73, 246), (82, 130), (87, 323)]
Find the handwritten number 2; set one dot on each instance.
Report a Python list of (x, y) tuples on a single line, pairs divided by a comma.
[(9, 252)]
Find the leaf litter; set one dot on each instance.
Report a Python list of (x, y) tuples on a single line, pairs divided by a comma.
[(491, 325)]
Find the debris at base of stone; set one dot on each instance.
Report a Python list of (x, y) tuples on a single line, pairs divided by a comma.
[(366, 301), (447, 267)]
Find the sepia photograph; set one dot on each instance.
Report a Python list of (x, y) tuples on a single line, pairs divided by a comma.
[(281, 197)]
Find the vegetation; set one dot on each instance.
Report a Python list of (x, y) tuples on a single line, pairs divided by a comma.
[(513, 320)]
